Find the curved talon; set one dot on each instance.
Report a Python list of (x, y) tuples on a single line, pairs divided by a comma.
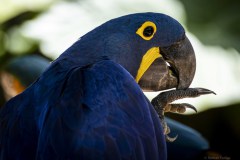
[(171, 139), (202, 91), (189, 106), (166, 131)]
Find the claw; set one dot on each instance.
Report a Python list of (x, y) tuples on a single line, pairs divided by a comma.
[(203, 91), (171, 139), (190, 106)]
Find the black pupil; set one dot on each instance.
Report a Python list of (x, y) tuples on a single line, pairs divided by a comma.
[(148, 31)]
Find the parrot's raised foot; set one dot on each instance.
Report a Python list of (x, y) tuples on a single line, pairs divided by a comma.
[(162, 104), (165, 98)]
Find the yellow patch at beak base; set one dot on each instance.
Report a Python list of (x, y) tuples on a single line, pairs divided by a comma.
[(147, 60)]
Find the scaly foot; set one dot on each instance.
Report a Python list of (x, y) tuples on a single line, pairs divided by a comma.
[(162, 103)]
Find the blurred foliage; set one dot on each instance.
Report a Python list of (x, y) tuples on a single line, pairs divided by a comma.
[(19, 19), (214, 22), (12, 8), (12, 42), (13, 14), (11, 39)]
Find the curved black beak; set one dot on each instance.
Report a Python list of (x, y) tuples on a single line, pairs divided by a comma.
[(174, 69), (181, 58)]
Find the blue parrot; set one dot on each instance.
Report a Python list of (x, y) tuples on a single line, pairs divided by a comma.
[(89, 104)]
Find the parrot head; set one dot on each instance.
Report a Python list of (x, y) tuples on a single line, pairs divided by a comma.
[(152, 47)]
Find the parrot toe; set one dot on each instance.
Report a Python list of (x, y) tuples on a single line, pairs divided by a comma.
[(179, 108)]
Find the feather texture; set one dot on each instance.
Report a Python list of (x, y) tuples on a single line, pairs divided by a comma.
[(93, 112)]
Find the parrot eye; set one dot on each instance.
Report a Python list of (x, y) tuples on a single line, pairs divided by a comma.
[(147, 30)]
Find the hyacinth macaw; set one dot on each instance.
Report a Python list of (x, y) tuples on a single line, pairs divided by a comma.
[(25, 70), (88, 104)]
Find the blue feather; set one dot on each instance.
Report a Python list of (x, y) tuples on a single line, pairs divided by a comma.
[(101, 113)]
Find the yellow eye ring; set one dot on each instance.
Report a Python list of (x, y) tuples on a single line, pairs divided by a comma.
[(147, 30)]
